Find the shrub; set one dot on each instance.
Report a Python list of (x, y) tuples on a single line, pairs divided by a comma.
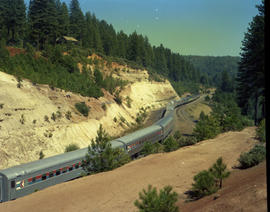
[(260, 131), (104, 107), (71, 147), (22, 119), (68, 115), (219, 171), (46, 118), (256, 155), (41, 155), (151, 201), (191, 140), (204, 184), (53, 117), (129, 100), (177, 135), (170, 144), (59, 114), (19, 80), (118, 98), (82, 108), (206, 128), (147, 149)]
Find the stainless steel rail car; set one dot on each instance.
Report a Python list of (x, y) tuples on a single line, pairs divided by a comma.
[(27, 178)]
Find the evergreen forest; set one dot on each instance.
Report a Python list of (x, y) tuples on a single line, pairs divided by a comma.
[(37, 28)]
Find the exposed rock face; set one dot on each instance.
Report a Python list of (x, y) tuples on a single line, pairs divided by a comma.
[(28, 126)]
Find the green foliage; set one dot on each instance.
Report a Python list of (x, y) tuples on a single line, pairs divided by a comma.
[(82, 108), (149, 148), (261, 132), (151, 201), (177, 135), (208, 182), (118, 98), (204, 184), (104, 107), (41, 155), (219, 171), (71, 147), (129, 101), (101, 157), (251, 72), (68, 115), (53, 117), (22, 119), (206, 128), (225, 116), (211, 68), (46, 118), (19, 80), (252, 158), (170, 144), (187, 141)]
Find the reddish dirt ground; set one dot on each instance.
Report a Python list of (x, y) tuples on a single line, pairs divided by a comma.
[(118, 189), (244, 190)]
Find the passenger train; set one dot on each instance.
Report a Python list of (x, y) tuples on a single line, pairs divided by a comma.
[(27, 178)]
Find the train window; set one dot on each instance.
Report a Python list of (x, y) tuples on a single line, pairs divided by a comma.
[(12, 184), (58, 172), (44, 177), (51, 174)]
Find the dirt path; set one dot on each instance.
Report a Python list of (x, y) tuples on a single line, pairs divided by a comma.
[(118, 189)]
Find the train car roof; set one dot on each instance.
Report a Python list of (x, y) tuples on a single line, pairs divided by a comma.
[(140, 133), (164, 120), (116, 144)]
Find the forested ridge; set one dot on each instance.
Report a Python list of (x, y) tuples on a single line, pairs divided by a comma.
[(39, 27), (211, 68), (45, 21)]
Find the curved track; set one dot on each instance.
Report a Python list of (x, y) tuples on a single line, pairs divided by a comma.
[(184, 122)]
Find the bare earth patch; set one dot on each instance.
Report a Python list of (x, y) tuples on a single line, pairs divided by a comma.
[(118, 189)]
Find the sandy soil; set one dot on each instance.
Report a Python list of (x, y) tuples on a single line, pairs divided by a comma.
[(118, 189)]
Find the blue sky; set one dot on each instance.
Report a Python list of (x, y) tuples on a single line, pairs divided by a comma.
[(189, 27)]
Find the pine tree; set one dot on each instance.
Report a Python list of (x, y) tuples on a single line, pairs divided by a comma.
[(151, 201), (43, 22), (251, 72), (15, 20), (76, 19), (62, 18), (219, 171), (101, 157)]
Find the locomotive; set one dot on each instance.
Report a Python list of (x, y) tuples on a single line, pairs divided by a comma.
[(27, 178)]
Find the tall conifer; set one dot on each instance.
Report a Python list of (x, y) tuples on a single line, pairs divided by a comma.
[(251, 72)]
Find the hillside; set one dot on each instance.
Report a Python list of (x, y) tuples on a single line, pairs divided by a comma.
[(26, 113), (211, 68), (118, 189)]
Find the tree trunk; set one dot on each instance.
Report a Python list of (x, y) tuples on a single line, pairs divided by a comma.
[(256, 109)]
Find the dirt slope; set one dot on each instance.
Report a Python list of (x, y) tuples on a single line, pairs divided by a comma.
[(24, 132), (244, 190), (116, 190)]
